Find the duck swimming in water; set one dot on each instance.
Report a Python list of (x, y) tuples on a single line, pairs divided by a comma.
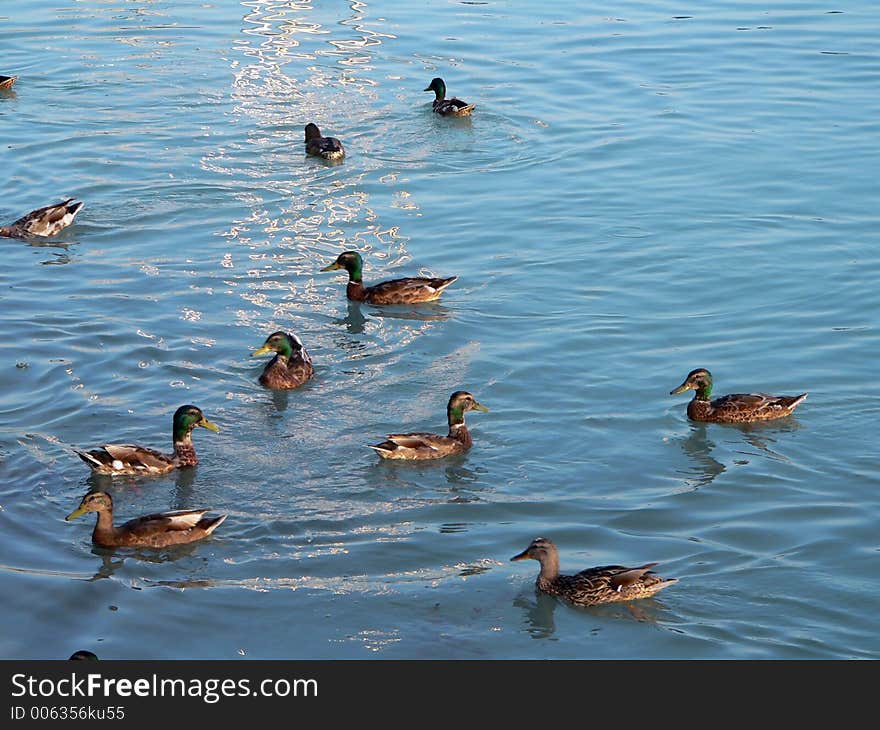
[(410, 290), (130, 459), (734, 408), (44, 221), (447, 107), (593, 586), (329, 148), (431, 445)]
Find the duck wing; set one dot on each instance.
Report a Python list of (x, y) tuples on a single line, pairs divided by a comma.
[(756, 404), (417, 446), (407, 290), (163, 522), (454, 107), (294, 373), (126, 458)]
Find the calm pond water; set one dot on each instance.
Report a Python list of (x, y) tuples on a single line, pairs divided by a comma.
[(635, 196)]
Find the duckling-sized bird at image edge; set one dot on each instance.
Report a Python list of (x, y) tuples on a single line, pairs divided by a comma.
[(43, 222)]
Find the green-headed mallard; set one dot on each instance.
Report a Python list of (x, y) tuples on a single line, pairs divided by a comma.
[(329, 148), (291, 366), (590, 587), (6, 82), (411, 290), (83, 655), (430, 445), (734, 408), (448, 107), (129, 459), (44, 221), (156, 530)]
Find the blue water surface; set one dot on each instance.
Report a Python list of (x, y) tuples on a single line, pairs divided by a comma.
[(641, 191)]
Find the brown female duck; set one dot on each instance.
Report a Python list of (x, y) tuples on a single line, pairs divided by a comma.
[(411, 290), (291, 366), (129, 459), (155, 530), (44, 221), (6, 82), (447, 107), (734, 408), (590, 587), (430, 445)]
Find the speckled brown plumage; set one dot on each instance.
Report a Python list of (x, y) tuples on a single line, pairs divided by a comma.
[(736, 407), (130, 459), (410, 290), (291, 366), (593, 586), (447, 107), (6, 82), (155, 530), (44, 221), (418, 445)]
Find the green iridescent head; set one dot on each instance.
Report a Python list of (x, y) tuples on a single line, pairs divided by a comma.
[(284, 343), (186, 418), (351, 261), (459, 402), (699, 380), (438, 86)]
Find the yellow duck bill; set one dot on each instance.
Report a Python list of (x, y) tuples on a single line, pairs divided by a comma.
[(78, 512)]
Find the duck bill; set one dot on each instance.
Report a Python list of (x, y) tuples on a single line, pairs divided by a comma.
[(205, 423), (332, 267), (681, 389), (264, 350), (480, 407), (524, 555), (78, 512)]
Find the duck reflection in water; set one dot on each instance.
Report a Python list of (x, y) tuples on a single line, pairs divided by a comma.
[(354, 320), (698, 446), (426, 312), (280, 399), (182, 494), (539, 614), (113, 560), (540, 610), (58, 257), (762, 435)]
